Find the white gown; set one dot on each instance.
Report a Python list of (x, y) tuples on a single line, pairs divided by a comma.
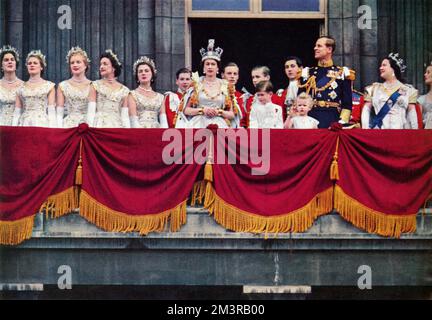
[(397, 116), (268, 116), (305, 122), (108, 105), (7, 105), (148, 109), (76, 103), (34, 105), (427, 111)]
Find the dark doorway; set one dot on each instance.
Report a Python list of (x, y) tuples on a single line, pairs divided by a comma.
[(251, 42)]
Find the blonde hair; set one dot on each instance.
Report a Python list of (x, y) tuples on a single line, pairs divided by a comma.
[(305, 96)]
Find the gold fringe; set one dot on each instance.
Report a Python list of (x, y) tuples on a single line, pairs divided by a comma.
[(15, 232), (60, 204), (110, 220), (199, 193), (370, 220), (238, 220), (334, 168)]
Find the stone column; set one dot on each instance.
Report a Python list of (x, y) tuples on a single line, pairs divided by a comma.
[(369, 48), (14, 21)]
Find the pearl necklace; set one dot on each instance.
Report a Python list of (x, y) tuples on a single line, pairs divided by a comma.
[(144, 89), (79, 81), (10, 82), (110, 81), (38, 80)]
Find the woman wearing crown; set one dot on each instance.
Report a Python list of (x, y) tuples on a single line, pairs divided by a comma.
[(210, 100), (36, 98), (108, 106), (145, 105), (426, 100), (9, 84), (392, 103), (73, 94)]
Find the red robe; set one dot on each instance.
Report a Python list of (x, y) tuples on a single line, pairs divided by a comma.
[(171, 110)]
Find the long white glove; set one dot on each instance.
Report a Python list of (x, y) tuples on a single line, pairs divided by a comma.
[(412, 118), (365, 116), (125, 117), (134, 122), (60, 115), (91, 113), (16, 116), (163, 121), (52, 121)]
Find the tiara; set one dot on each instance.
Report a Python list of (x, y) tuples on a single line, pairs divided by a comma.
[(145, 60), (37, 53), (114, 56), (211, 53), (10, 49), (77, 50), (398, 60)]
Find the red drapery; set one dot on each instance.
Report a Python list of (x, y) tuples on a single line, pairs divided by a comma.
[(382, 179)]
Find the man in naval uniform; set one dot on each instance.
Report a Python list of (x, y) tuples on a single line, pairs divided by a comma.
[(172, 99), (330, 86)]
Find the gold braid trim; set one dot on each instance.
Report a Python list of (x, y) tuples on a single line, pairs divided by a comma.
[(238, 220), (114, 221), (15, 232), (370, 220)]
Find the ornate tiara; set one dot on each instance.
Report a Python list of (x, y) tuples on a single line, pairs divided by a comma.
[(211, 53), (38, 54), (398, 60), (145, 60), (10, 49), (114, 56), (77, 50)]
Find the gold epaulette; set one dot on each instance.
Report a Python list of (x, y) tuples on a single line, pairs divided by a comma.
[(352, 75)]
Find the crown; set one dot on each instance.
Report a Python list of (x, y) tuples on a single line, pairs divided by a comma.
[(398, 60), (37, 53), (145, 60), (77, 50), (10, 49), (211, 53), (114, 56)]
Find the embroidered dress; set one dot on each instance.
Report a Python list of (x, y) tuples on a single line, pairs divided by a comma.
[(76, 103), (427, 111), (148, 109), (34, 105), (108, 105), (7, 105), (378, 94), (305, 122), (268, 116)]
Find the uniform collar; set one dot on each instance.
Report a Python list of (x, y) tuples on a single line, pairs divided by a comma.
[(326, 64)]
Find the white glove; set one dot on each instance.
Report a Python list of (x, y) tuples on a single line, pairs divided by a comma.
[(125, 117), (91, 113), (16, 116), (412, 118), (52, 121), (163, 120), (365, 116), (60, 115), (134, 122)]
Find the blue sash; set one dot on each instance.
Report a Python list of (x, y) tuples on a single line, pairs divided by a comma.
[(378, 120)]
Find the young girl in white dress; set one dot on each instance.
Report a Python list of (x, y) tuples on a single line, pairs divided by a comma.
[(146, 106), (301, 120), (108, 106), (9, 84), (36, 98)]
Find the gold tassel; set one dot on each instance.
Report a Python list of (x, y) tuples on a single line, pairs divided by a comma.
[(238, 220), (208, 172), (334, 168), (78, 173), (370, 220), (15, 232), (114, 221), (60, 204)]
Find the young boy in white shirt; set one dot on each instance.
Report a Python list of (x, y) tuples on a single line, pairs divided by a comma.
[(265, 114), (301, 120)]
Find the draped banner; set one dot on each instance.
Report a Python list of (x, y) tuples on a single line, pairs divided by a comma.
[(385, 176), (266, 181), (37, 171), (127, 186), (283, 190)]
